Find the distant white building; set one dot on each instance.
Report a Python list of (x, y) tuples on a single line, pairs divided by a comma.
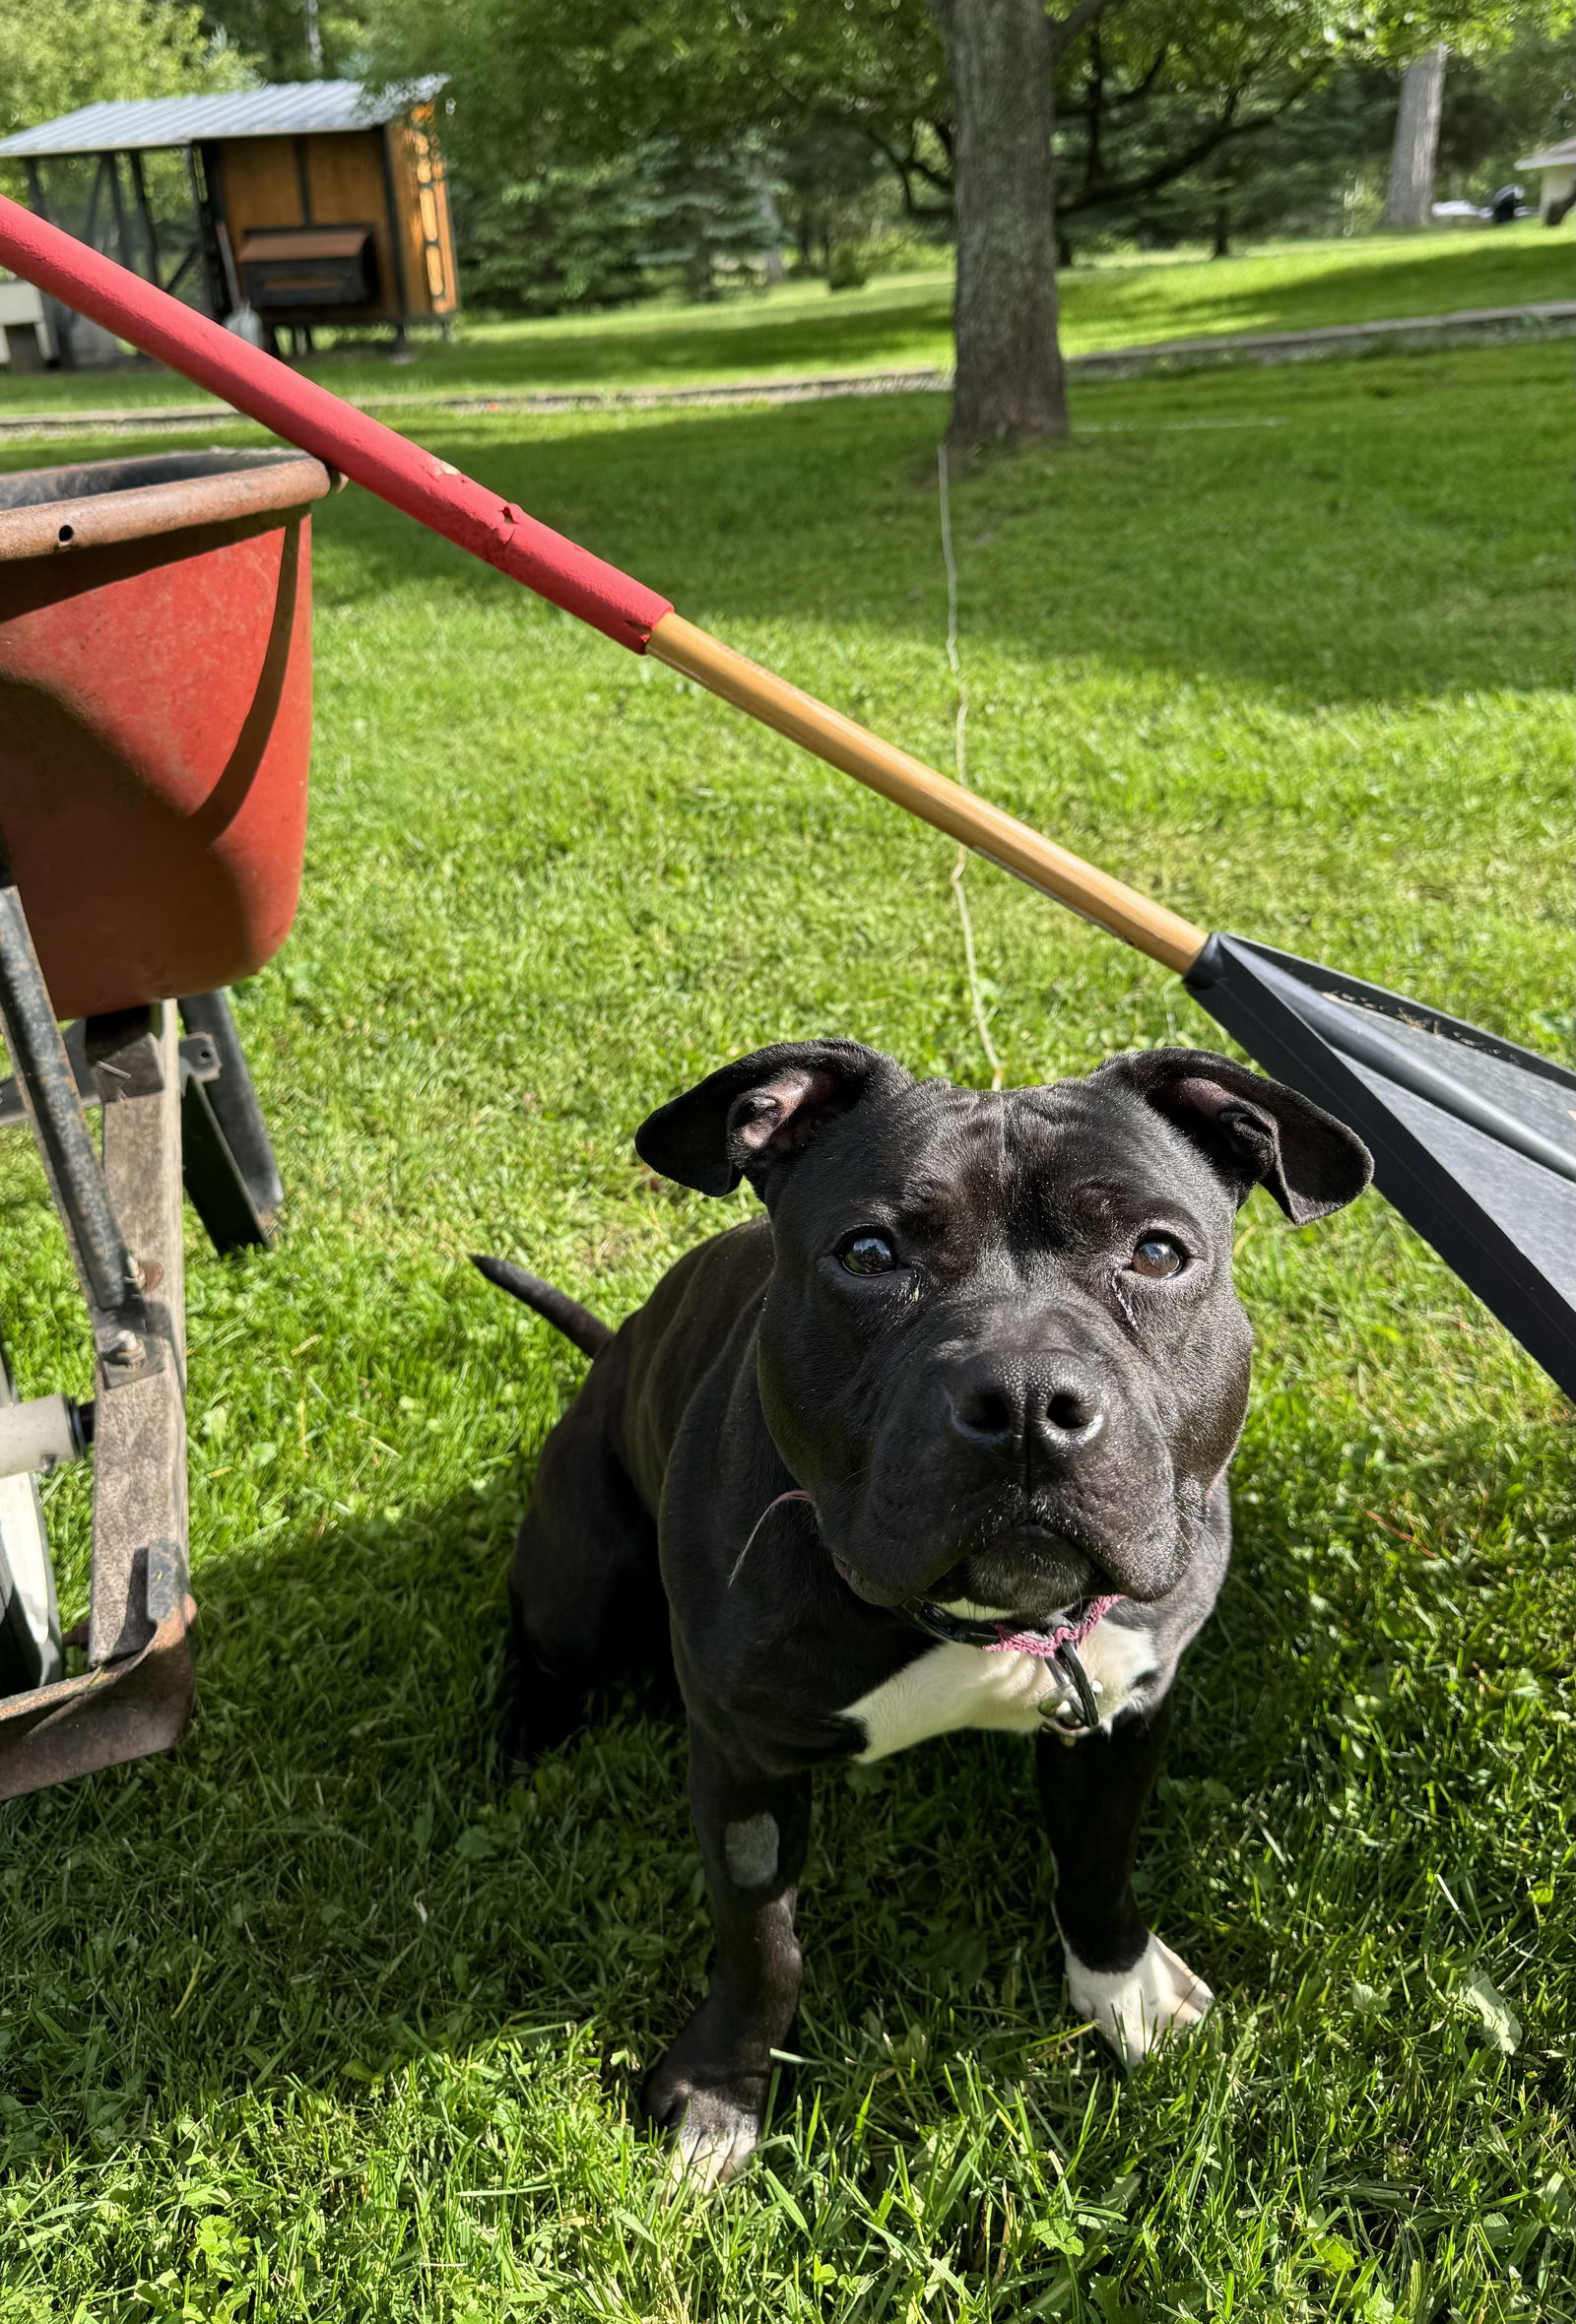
[(1557, 165), (26, 342)]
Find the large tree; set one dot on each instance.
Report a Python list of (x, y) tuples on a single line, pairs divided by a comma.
[(1084, 112), (961, 98), (1009, 115), (1410, 195), (1009, 381)]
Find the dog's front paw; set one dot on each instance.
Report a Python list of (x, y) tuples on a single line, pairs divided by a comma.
[(714, 2116), (713, 2140), (1136, 2008)]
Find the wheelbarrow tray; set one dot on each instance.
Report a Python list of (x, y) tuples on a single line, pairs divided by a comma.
[(156, 716), (154, 733)]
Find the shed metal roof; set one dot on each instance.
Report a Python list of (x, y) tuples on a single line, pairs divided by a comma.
[(288, 109), (1554, 157)]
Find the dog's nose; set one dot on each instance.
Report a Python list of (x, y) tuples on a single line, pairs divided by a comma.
[(1070, 1417), (1056, 1410), (987, 1415)]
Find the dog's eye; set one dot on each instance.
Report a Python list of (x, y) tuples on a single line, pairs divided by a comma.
[(867, 1255), (1156, 1256)]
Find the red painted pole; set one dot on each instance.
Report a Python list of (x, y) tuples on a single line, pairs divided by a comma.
[(304, 413), (437, 495)]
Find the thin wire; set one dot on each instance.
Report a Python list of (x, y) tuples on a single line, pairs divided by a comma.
[(976, 999)]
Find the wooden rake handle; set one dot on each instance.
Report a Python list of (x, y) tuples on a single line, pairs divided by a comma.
[(437, 495), (1000, 837)]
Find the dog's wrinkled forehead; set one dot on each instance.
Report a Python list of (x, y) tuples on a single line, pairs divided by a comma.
[(1023, 1160), (803, 1114)]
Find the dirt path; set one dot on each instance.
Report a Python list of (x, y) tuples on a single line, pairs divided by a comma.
[(1407, 334)]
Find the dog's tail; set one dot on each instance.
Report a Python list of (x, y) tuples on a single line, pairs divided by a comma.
[(579, 1325)]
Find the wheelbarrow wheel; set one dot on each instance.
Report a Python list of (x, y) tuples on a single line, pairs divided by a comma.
[(29, 1620)]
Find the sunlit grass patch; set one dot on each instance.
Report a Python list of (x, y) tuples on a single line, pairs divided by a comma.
[(308, 2021)]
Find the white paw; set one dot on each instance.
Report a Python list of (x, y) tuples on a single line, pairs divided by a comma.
[(712, 2145), (1136, 2008)]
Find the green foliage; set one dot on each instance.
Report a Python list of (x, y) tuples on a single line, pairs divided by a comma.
[(1152, 100), (1257, 115), (306, 2023), (702, 111), (676, 213), (598, 76), (276, 33), (561, 238), (1502, 106), (703, 213), (1221, 121), (1212, 122), (839, 205), (1301, 173), (59, 54), (596, 234), (1396, 31)]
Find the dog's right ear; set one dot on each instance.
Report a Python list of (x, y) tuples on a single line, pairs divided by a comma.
[(1253, 1130), (751, 1116)]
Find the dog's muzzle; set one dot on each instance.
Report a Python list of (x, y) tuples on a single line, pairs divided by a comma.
[(1058, 1644)]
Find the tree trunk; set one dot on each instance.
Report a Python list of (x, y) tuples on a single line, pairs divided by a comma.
[(771, 225), (1010, 383), (1410, 195)]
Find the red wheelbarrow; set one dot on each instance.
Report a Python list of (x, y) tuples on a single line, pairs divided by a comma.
[(155, 732)]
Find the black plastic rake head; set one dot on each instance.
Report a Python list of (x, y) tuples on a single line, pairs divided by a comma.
[(1473, 1140)]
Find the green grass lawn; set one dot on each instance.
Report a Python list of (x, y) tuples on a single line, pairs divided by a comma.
[(905, 321), (308, 2021)]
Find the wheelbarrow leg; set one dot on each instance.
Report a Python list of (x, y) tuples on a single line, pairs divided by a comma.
[(139, 1499), (48, 1090), (123, 1223), (231, 1173)]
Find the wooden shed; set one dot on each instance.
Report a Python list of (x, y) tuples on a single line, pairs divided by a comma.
[(315, 202)]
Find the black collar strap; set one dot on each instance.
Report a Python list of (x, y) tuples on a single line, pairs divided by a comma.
[(956, 1630)]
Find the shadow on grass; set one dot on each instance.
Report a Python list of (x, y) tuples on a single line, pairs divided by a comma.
[(842, 338), (326, 1877), (1349, 554), (220, 2002), (325, 1880)]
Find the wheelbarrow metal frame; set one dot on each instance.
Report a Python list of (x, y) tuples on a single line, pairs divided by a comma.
[(179, 1115), (136, 1694)]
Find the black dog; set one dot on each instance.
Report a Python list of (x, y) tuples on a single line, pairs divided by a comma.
[(941, 1442)]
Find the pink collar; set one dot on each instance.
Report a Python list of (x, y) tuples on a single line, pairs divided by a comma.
[(1046, 1645)]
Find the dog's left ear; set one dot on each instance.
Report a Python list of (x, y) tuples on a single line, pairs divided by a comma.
[(1253, 1130), (751, 1117)]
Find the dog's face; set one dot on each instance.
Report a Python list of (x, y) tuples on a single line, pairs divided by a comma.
[(1001, 1349)]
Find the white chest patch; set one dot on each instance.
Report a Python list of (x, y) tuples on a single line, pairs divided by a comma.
[(953, 1686)]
